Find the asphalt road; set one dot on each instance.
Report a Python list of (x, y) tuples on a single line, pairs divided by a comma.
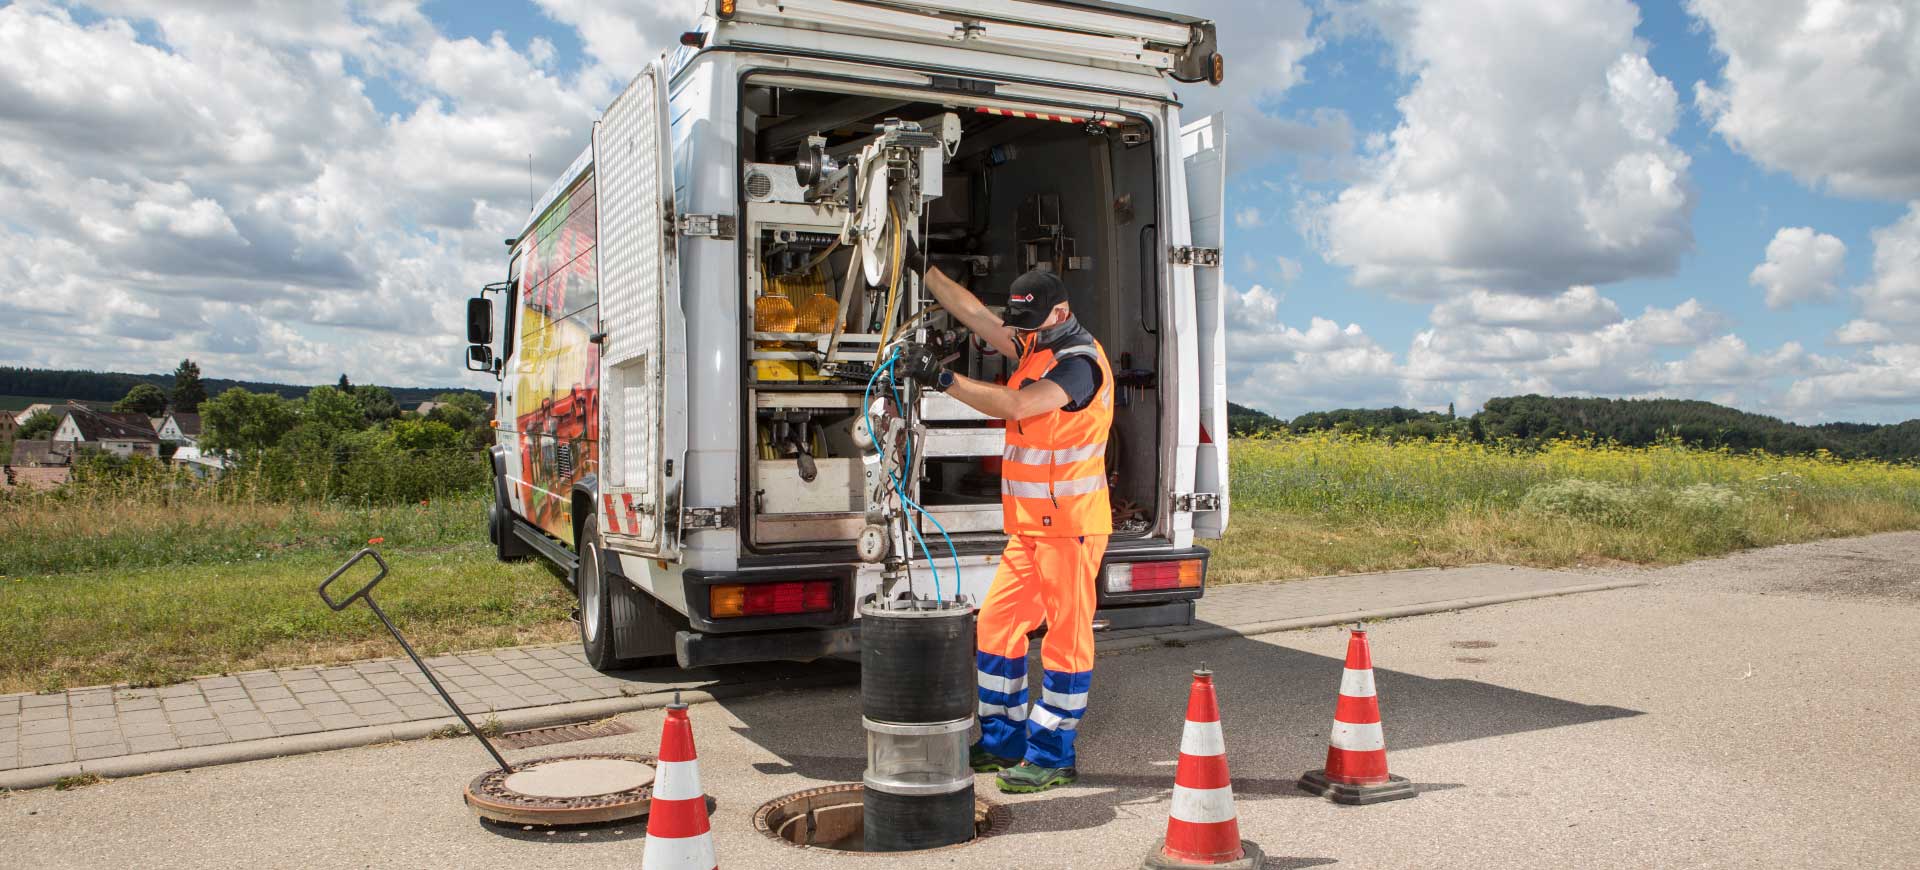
[(1754, 711)]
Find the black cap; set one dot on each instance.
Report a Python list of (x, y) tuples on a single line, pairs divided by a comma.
[(1033, 297)]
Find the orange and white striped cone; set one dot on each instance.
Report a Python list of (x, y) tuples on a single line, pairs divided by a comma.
[(1203, 830), (678, 836), (1356, 771)]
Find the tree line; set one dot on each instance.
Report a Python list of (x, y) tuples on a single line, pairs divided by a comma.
[(103, 387), (1534, 419)]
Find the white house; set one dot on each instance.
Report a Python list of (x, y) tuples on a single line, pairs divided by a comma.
[(119, 434), (40, 408), (180, 427)]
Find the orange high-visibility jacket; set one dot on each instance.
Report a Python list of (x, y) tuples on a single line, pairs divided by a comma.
[(1053, 472)]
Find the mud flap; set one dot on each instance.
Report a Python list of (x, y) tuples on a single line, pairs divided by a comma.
[(642, 627)]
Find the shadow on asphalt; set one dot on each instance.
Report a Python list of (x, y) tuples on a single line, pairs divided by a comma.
[(1276, 709)]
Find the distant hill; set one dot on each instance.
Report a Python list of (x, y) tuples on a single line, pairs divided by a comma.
[(52, 385), (1633, 422)]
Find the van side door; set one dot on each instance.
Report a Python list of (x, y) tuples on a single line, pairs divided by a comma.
[(643, 357), (1203, 148)]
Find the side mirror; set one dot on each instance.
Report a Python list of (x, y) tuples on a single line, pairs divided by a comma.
[(479, 321), (480, 358)]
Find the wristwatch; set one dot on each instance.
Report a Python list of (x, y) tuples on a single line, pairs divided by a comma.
[(944, 381)]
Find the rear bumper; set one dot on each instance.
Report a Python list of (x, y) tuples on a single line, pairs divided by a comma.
[(696, 649)]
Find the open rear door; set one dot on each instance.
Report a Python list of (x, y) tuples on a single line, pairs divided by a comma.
[(1203, 146), (643, 358)]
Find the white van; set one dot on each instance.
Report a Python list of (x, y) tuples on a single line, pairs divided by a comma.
[(692, 313)]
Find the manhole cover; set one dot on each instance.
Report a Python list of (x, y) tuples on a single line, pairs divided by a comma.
[(532, 737), (831, 819), (569, 790)]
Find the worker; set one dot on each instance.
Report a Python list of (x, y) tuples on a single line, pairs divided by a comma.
[(1053, 491)]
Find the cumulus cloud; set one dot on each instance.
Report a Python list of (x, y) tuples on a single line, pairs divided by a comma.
[(1578, 309), (1801, 266), (1894, 292), (1826, 90), (1862, 332), (1533, 153), (209, 178), (1888, 376)]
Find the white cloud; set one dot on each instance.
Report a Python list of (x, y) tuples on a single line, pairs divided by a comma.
[(1690, 322), (1289, 269), (1888, 376), (1266, 46), (1894, 292), (1248, 218), (1863, 332), (1828, 90), (209, 178), (1486, 345), (1533, 152), (1801, 266), (1578, 309)]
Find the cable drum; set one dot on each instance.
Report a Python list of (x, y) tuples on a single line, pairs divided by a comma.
[(917, 664)]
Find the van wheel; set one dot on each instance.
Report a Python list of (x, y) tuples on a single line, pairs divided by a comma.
[(591, 583)]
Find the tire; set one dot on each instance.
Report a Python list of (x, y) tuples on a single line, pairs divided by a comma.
[(591, 584)]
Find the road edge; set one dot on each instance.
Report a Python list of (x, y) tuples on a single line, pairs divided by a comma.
[(121, 767)]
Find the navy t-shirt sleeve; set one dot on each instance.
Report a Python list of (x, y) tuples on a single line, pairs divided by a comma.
[(1079, 377)]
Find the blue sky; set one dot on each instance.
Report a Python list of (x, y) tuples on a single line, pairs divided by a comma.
[(1437, 202)]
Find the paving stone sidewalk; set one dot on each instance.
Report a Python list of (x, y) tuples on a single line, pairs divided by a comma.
[(88, 724)]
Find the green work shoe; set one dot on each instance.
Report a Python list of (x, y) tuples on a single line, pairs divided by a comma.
[(1027, 778), (983, 761)]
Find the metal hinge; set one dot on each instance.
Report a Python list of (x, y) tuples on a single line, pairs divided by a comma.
[(1195, 502), (1188, 255), (707, 518), (712, 226)]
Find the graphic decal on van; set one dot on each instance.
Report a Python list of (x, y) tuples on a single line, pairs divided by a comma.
[(556, 366)]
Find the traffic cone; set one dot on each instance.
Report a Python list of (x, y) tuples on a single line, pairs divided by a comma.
[(678, 837), (1356, 771), (1202, 829)]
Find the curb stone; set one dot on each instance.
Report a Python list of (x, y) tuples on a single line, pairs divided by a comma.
[(124, 766)]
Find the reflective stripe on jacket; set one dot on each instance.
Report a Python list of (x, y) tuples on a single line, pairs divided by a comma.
[(1053, 472)]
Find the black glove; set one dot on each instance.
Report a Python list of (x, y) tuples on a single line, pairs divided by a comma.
[(918, 362), (912, 258)]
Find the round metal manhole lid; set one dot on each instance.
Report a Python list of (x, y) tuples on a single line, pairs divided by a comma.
[(580, 777), (829, 819), (568, 790)]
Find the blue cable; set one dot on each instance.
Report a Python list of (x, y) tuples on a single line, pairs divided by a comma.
[(910, 503), (899, 484)]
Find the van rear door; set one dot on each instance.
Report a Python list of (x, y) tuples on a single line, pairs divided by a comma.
[(1203, 148), (643, 356)]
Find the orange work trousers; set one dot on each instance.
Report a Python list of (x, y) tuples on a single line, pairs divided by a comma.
[(1041, 580)]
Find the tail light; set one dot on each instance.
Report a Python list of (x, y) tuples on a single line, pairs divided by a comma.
[(770, 599), (1153, 576)]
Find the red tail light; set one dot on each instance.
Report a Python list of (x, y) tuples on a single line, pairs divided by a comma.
[(771, 599), (1153, 576)]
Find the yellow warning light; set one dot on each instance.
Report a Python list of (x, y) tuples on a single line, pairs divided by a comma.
[(726, 8), (1219, 68)]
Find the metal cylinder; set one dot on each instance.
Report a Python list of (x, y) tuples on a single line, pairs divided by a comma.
[(916, 689)]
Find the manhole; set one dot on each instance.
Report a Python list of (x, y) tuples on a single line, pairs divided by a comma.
[(569, 790), (1473, 644), (830, 819), (532, 737)]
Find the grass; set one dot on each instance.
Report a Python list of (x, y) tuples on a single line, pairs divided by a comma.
[(89, 530), (154, 626), (1330, 504), (114, 586)]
